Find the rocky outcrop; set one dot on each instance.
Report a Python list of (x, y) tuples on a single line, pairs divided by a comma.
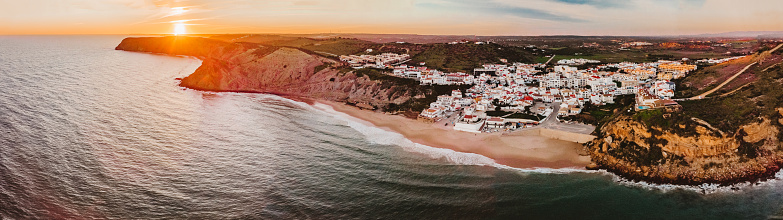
[(780, 110), (637, 151), (246, 67)]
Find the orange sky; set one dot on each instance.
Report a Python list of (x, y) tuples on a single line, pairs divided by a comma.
[(489, 17)]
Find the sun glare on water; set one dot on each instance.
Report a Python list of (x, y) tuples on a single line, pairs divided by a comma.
[(179, 28)]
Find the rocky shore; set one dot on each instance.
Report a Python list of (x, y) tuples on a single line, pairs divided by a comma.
[(685, 151), (640, 152)]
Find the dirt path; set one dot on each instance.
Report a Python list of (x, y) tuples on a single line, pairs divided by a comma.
[(703, 95)]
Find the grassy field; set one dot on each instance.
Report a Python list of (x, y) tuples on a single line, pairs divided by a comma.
[(335, 46), (729, 112), (466, 57), (637, 56)]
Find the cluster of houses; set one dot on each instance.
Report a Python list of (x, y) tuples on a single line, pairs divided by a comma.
[(433, 77), (637, 44), (466, 41), (578, 61), (719, 61), (668, 70), (529, 89), (524, 88), (662, 70), (375, 61)]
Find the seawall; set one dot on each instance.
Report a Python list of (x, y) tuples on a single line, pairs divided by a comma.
[(560, 135)]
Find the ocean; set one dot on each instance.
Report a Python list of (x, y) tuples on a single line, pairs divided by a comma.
[(87, 132)]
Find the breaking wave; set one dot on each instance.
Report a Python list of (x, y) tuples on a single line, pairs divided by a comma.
[(380, 136)]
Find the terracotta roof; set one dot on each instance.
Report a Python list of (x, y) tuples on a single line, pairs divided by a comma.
[(495, 119)]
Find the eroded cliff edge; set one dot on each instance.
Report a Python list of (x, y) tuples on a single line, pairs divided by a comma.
[(728, 139), (293, 72), (724, 139)]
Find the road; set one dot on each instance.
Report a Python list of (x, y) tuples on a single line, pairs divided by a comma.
[(722, 84), (550, 60), (552, 122), (327, 53), (703, 95)]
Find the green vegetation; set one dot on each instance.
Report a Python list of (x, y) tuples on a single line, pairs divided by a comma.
[(659, 120), (708, 77), (325, 47), (498, 113), (466, 57), (600, 114), (413, 106), (748, 150), (514, 115), (525, 116), (615, 56), (339, 46), (321, 67), (632, 152), (728, 113)]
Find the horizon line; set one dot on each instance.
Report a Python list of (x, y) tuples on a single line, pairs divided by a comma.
[(414, 34)]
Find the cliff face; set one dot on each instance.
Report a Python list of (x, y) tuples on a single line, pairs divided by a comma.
[(246, 67), (638, 151), (727, 138)]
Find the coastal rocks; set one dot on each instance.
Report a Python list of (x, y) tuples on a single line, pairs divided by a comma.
[(635, 151), (780, 110), (704, 143), (246, 67), (757, 132)]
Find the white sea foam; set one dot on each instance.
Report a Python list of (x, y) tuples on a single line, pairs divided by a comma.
[(703, 188), (384, 137)]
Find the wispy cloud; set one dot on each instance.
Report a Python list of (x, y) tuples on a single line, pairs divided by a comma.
[(490, 7), (597, 3)]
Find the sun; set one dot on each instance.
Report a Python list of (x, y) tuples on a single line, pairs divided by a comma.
[(179, 28)]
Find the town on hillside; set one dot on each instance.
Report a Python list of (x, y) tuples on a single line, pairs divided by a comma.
[(513, 96)]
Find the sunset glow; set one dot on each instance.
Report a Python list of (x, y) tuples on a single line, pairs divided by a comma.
[(491, 17), (179, 28), (178, 11)]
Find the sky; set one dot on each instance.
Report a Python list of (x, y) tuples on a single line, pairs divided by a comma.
[(439, 17)]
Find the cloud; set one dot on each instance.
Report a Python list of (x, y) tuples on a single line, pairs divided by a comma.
[(493, 8), (597, 3)]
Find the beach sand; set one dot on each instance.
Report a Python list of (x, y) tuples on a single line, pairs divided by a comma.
[(515, 150)]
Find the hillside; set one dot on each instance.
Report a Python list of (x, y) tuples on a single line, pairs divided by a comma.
[(708, 78), (466, 57), (250, 67), (325, 46), (725, 139)]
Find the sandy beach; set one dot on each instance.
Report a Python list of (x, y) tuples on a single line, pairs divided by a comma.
[(515, 150)]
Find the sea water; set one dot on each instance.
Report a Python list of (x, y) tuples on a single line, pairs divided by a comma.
[(88, 132)]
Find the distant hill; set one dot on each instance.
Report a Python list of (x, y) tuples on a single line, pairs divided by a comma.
[(334, 46), (742, 34)]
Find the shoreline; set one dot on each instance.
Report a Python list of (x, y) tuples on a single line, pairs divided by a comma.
[(518, 150), (526, 149)]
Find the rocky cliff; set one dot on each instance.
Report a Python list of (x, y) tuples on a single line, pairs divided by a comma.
[(247, 67), (729, 138), (690, 151)]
